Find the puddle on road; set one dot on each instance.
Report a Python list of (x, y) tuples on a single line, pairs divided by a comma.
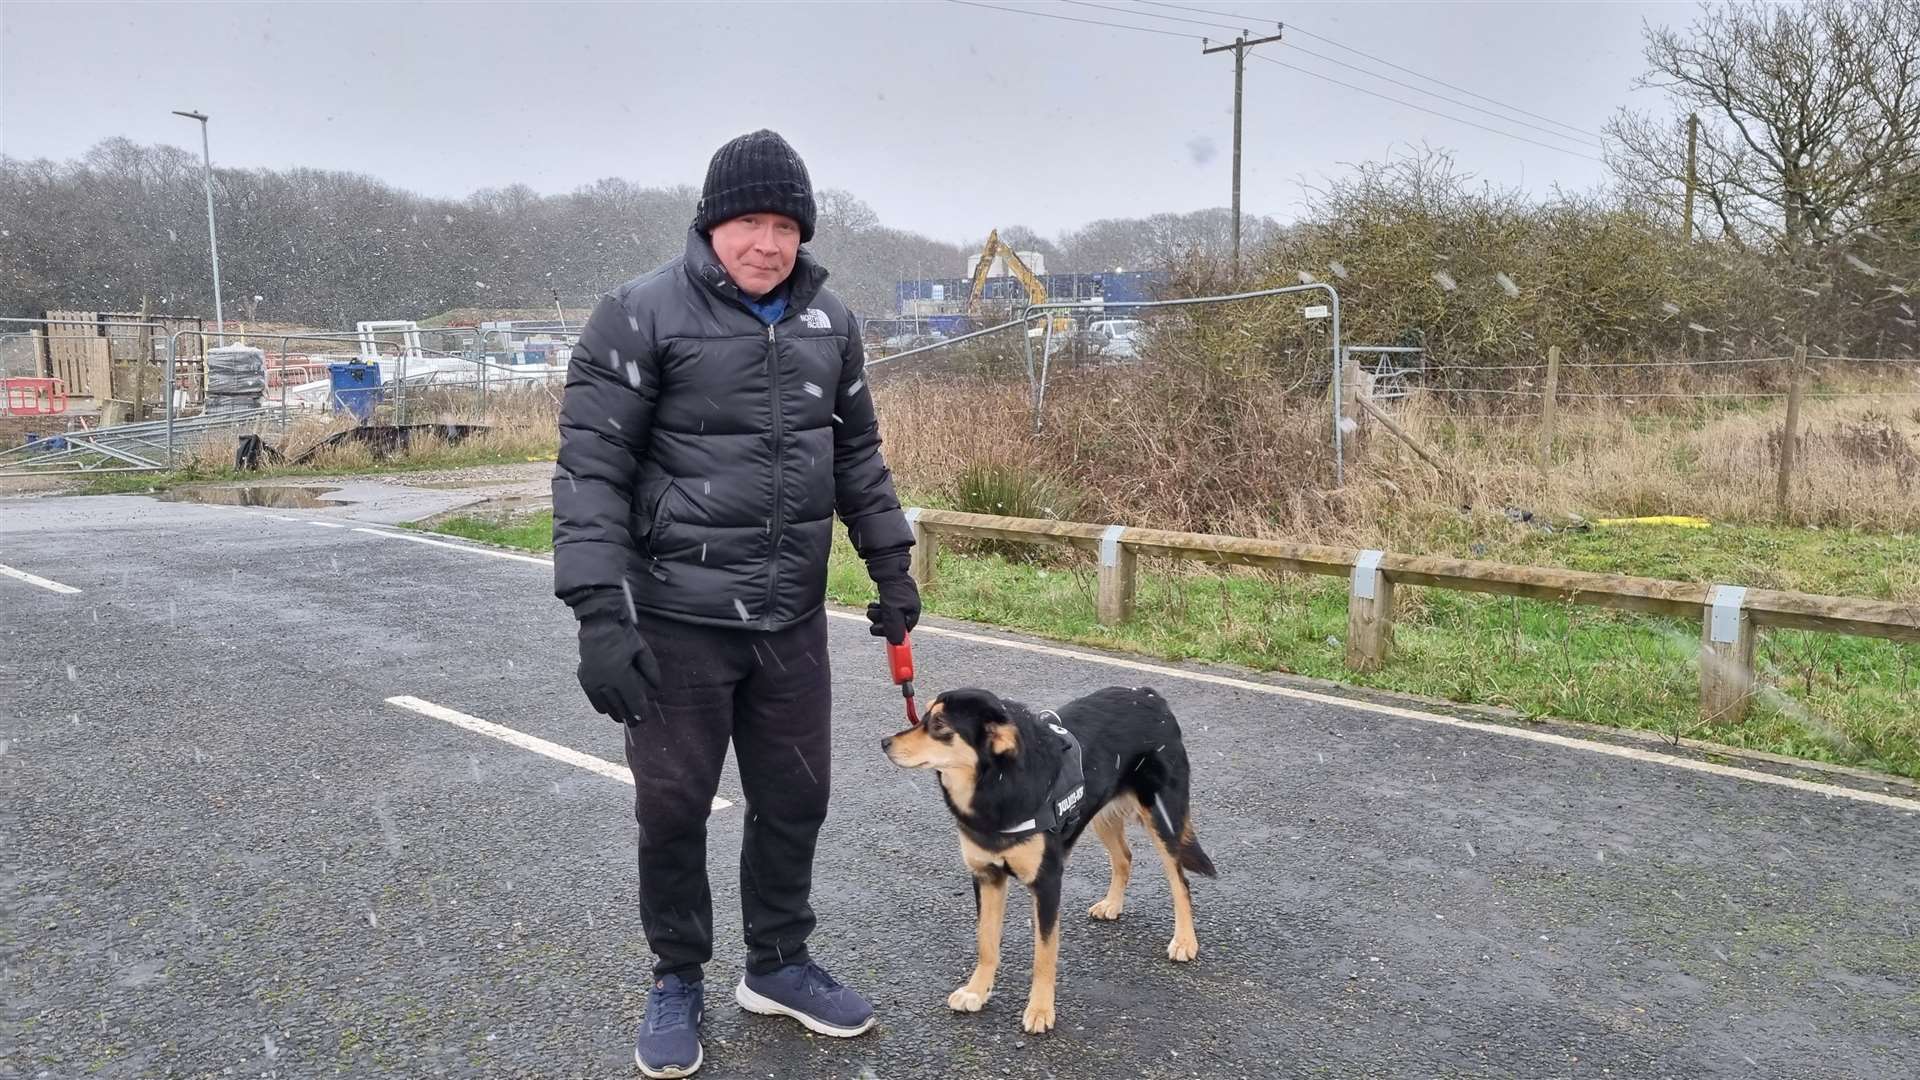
[(278, 497)]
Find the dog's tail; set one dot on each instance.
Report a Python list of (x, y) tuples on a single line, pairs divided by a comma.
[(1163, 791), (1192, 859)]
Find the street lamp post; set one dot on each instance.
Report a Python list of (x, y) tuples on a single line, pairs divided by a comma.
[(213, 241)]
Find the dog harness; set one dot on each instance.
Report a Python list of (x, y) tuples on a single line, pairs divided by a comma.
[(1069, 784)]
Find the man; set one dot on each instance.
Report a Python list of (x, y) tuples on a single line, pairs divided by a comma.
[(716, 419)]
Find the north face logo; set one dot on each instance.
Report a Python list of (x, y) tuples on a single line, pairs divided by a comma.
[(816, 319)]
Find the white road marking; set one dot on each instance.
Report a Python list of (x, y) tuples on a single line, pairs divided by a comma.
[(468, 548), (1630, 753), (326, 524), (36, 579), (525, 741)]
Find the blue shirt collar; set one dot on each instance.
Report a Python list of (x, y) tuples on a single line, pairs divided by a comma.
[(770, 307)]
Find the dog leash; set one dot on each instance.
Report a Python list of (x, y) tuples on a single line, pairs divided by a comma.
[(900, 665)]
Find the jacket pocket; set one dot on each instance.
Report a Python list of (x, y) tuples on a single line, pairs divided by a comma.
[(649, 510)]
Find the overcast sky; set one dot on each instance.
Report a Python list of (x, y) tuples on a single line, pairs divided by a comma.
[(946, 119)]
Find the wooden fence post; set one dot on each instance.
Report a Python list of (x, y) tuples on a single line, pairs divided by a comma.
[(1790, 435), (1549, 409), (142, 357), (1356, 387), (1369, 614), (926, 549), (1726, 656), (1114, 604)]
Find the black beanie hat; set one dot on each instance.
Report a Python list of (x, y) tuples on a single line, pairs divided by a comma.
[(756, 173)]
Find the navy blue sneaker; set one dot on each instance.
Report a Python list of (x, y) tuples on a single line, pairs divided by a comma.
[(668, 1045), (808, 994)]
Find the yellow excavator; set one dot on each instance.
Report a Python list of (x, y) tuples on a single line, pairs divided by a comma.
[(1030, 281)]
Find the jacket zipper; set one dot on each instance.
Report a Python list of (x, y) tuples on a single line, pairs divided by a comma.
[(778, 525)]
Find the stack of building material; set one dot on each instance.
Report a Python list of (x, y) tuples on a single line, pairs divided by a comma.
[(236, 379)]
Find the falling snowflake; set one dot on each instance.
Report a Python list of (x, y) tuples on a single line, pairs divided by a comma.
[(72, 675), (1507, 285), (1306, 278), (634, 323), (812, 389), (633, 375), (1859, 264), (1444, 280), (741, 608), (1669, 307), (1339, 269), (1698, 329), (855, 388)]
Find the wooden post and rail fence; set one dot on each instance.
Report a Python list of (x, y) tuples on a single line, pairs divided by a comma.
[(1730, 616)]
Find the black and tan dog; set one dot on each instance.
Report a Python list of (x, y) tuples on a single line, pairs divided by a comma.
[(1023, 787)]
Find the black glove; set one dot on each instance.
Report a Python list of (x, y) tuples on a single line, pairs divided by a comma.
[(617, 669), (898, 609)]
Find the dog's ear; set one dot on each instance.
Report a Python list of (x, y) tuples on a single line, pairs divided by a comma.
[(1003, 737)]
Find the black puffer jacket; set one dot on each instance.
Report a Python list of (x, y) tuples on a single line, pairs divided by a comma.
[(703, 454)]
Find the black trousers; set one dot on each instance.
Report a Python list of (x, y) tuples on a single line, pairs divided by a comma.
[(771, 695)]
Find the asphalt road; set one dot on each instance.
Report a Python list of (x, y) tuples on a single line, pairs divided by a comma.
[(227, 854)]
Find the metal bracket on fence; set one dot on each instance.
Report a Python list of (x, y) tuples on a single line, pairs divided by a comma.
[(1364, 567), (1723, 624), (1110, 545)]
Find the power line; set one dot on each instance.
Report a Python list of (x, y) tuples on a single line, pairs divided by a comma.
[(1450, 101), (1290, 67), (1073, 19), (1370, 74), (1424, 109), (1295, 27), (1150, 15)]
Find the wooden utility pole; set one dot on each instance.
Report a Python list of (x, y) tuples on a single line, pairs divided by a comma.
[(1238, 47), (1693, 139)]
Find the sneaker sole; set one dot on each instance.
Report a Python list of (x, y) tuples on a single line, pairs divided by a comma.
[(671, 1072), (766, 1006)]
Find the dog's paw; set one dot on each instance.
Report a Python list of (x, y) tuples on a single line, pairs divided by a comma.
[(1182, 949), (1037, 1019), (967, 999), (1107, 910)]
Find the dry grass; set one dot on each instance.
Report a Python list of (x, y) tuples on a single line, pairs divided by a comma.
[(1243, 456), (523, 424)]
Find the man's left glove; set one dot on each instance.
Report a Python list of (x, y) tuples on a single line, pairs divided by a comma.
[(898, 609), (617, 669)]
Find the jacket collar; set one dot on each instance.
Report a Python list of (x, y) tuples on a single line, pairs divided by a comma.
[(703, 266)]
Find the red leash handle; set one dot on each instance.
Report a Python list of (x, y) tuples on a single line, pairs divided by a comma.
[(900, 666)]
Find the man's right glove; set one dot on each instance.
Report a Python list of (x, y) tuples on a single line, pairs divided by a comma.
[(898, 609), (617, 669)]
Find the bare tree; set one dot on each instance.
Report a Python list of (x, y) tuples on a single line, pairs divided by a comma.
[(1806, 114)]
